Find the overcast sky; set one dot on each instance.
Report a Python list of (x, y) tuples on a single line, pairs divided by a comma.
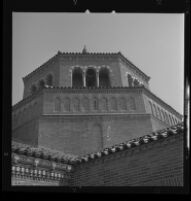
[(153, 42)]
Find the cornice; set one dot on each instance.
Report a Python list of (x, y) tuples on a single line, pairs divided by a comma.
[(94, 89), (98, 114), (152, 95)]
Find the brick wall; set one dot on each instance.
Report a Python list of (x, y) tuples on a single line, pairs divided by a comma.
[(159, 163), (27, 133), (85, 134)]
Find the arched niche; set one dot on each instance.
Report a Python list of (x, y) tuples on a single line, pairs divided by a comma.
[(95, 103), (86, 103), (58, 104), (104, 103), (130, 80), (104, 78), (91, 80), (76, 104), (136, 83), (122, 103), (132, 104), (113, 103), (33, 89), (49, 80), (77, 77), (67, 104), (41, 84)]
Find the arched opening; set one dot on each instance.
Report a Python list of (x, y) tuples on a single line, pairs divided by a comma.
[(85, 103), (49, 80), (113, 103), (122, 103), (160, 117), (58, 104), (130, 80), (151, 106), (76, 104), (41, 84), (170, 120), (33, 89), (132, 105), (104, 103), (173, 121), (104, 79), (91, 78), (77, 78), (95, 103), (136, 83), (155, 110), (67, 104), (167, 120)]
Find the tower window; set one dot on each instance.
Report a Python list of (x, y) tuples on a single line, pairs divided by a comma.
[(49, 80), (104, 79), (77, 78), (130, 80), (41, 84), (33, 89), (136, 83), (91, 78)]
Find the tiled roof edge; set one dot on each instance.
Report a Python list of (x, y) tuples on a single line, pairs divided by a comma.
[(154, 136)]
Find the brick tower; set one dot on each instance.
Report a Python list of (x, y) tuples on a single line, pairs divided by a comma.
[(79, 103)]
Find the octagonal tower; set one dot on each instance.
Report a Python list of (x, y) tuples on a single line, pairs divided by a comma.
[(80, 103)]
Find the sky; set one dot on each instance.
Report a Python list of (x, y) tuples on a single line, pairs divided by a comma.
[(153, 42)]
